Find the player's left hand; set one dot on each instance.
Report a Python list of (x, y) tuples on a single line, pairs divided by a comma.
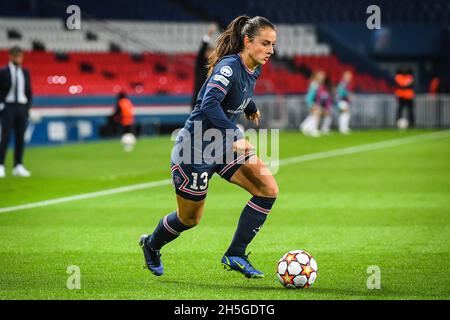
[(254, 117)]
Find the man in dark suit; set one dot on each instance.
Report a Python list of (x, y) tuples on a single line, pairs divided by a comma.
[(15, 103)]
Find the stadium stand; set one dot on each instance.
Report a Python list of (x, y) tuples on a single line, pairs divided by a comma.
[(148, 49), (161, 63)]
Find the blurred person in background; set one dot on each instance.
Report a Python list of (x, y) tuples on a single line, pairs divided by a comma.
[(433, 88), (405, 94), (325, 98), (15, 102), (124, 116), (343, 99), (310, 125), (201, 71)]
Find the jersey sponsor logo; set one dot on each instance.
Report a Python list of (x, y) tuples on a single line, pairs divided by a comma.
[(221, 79), (226, 71)]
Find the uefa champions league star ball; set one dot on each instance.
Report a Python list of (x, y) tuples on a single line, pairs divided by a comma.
[(297, 269)]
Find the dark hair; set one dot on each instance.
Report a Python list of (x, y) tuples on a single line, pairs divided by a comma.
[(121, 95), (232, 39), (15, 51), (328, 84)]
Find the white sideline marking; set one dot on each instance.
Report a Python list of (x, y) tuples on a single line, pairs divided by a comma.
[(366, 147), (304, 158), (82, 196)]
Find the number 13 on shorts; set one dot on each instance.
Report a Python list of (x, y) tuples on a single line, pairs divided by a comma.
[(203, 181)]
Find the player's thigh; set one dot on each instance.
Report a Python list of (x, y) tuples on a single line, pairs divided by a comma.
[(315, 110), (256, 178), (189, 212), (191, 186)]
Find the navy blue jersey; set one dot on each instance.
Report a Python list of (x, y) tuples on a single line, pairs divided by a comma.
[(223, 97)]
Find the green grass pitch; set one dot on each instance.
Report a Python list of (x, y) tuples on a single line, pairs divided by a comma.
[(388, 207)]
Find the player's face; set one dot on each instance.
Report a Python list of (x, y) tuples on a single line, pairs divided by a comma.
[(262, 46)]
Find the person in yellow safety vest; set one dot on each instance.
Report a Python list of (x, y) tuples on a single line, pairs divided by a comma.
[(405, 94)]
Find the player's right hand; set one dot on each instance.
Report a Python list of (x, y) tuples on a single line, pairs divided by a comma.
[(254, 117), (242, 146)]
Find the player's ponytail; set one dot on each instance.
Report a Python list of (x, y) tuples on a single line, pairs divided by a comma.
[(232, 39)]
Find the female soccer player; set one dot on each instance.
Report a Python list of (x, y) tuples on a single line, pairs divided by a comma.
[(310, 126), (343, 102), (233, 68), (326, 98)]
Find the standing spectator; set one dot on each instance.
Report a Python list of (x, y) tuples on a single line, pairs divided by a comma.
[(15, 100), (201, 71), (405, 95)]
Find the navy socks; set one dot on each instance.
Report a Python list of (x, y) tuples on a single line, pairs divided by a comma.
[(252, 219), (250, 222), (168, 229)]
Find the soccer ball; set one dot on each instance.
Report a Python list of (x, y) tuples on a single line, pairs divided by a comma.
[(297, 269), (128, 141), (402, 123)]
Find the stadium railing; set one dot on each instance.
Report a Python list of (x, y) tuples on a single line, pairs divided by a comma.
[(367, 111)]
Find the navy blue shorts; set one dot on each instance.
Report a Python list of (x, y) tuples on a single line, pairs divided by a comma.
[(191, 180)]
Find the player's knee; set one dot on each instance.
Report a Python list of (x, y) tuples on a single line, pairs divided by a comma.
[(191, 221), (271, 190)]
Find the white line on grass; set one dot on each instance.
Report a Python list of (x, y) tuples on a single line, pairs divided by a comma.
[(287, 161), (366, 147), (90, 195)]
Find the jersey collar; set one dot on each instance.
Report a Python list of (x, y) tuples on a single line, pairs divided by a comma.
[(245, 66)]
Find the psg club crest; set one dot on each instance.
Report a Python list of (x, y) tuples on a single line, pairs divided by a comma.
[(177, 179)]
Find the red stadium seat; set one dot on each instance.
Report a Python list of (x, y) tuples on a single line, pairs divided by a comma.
[(167, 74)]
